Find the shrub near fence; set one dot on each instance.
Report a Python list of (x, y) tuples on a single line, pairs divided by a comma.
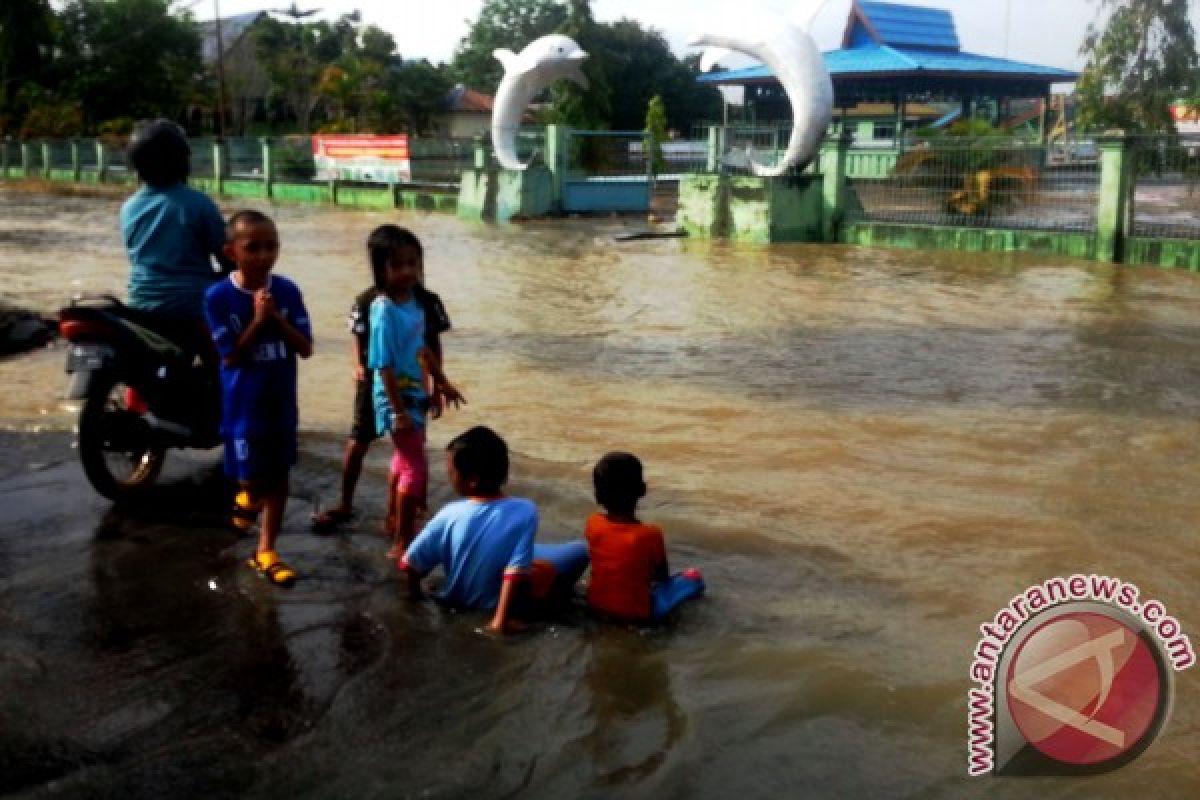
[(1166, 194)]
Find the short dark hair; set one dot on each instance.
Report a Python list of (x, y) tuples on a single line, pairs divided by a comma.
[(246, 216), (480, 454), (618, 481), (159, 152), (382, 243)]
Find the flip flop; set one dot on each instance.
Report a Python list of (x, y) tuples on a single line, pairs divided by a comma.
[(329, 519), (270, 566), (245, 511)]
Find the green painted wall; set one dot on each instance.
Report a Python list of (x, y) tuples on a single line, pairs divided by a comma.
[(702, 210), (1172, 253), (936, 237)]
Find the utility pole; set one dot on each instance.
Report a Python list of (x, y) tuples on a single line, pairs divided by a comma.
[(220, 71)]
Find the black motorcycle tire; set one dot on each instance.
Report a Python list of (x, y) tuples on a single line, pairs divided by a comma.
[(101, 407)]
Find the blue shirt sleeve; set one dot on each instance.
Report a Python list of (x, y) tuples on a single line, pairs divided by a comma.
[(521, 559), (216, 313), (426, 550), (379, 351)]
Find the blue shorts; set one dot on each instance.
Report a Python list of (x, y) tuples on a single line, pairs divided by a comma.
[(260, 458)]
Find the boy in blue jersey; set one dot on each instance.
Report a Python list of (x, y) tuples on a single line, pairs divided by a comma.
[(259, 324)]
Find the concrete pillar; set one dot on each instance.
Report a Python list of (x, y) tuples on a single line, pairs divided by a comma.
[(833, 158), (268, 165), (1114, 212)]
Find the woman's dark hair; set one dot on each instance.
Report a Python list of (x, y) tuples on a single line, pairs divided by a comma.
[(160, 153), (618, 481), (382, 243), (481, 456)]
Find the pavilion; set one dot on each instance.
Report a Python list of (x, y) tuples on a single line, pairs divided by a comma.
[(901, 55)]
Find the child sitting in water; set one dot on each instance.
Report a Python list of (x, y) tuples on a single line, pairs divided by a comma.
[(485, 541), (630, 581)]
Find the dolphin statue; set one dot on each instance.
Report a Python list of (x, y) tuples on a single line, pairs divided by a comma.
[(540, 64), (793, 57)]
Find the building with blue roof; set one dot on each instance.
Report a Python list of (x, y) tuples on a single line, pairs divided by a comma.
[(897, 54)]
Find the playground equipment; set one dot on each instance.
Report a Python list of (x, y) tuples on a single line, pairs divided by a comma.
[(540, 64), (984, 185), (794, 59)]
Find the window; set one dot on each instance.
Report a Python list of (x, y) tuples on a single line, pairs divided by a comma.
[(884, 130)]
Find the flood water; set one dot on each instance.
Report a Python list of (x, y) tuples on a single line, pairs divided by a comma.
[(867, 452)]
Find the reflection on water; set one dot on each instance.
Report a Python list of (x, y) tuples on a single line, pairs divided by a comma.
[(868, 452)]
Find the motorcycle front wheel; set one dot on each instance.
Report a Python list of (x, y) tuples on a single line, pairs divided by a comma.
[(119, 458)]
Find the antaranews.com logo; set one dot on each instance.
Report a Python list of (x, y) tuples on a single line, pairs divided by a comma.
[(1074, 676)]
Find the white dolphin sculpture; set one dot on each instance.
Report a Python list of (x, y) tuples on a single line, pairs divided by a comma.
[(793, 57), (540, 64)]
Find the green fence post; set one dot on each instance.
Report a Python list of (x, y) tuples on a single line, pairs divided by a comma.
[(26, 159), (4, 142), (76, 169), (101, 161), (218, 160), (479, 153), (1114, 204), (712, 156), (45, 158), (268, 165), (833, 157)]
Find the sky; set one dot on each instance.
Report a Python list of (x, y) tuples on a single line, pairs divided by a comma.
[(1044, 32)]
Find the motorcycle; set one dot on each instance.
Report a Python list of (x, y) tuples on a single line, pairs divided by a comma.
[(141, 391)]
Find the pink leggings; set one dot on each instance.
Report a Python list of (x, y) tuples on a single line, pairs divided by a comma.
[(408, 462)]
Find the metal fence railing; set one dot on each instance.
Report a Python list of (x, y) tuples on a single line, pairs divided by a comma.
[(607, 154), (981, 183), (1166, 187)]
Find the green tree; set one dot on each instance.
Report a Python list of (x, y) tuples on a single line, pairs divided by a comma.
[(26, 43), (295, 58), (419, 93), (656, 130), (1143, 59), (638, 64), (128, 58), (510, 24), (574, 105)]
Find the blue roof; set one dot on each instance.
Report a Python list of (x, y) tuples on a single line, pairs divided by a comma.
[(887, 39), (904, 26), (886, 60)]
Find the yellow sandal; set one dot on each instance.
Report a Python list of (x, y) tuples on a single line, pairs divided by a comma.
[(270, 566)]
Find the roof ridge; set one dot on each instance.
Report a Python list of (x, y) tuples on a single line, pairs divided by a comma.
[(903, 56)]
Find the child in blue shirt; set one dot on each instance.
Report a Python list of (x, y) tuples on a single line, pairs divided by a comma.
[(485, 542), (259, 324), (403, 369), (172, 234)]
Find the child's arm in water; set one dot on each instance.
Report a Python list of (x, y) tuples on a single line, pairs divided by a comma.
[(500, 621)]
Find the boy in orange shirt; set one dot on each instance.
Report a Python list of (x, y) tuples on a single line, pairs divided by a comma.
[(630, 581)]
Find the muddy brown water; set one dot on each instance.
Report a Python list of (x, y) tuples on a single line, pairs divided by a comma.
[(867, 452)]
